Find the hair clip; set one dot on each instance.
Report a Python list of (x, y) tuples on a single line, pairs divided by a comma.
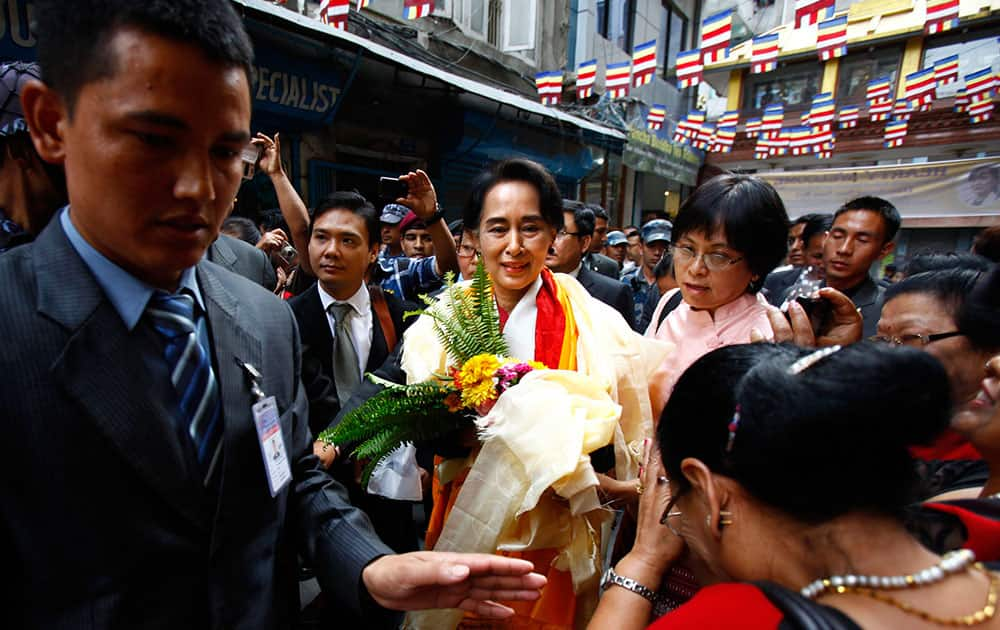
[(733, 425), (812, 359)]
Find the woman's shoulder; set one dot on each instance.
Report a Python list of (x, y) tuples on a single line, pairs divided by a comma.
[(757, 606), (731, 605)]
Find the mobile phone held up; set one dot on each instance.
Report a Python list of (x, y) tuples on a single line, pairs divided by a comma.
[(250, 156), (817, 309), (391, 188)]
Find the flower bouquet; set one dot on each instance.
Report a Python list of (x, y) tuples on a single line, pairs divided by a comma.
[(480, 370)]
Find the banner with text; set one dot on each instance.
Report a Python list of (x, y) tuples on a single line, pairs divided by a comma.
[(957, 188)]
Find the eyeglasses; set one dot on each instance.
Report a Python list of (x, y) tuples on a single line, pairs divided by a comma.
[(670, 513), (714, 261), (914, 340), (562, 233), (466, 251)]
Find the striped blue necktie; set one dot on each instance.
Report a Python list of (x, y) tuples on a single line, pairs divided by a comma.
[(191, 374)]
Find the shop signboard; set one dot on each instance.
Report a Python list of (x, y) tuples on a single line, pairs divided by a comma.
[(17, 42), (293, 88), (929, 190), (647, 153)]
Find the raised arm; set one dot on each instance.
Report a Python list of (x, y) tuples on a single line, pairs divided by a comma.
[(422, 199), (293, 209)]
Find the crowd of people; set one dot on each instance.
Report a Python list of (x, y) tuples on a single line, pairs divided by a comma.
[(731, 421)]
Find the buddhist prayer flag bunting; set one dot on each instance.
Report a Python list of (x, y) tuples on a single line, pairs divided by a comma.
[(980, 81), (901, 110), (549, 86), (980, 110), (848, 116), (895, 131), (334, 13), (822, 143), (362, 4), (413, 9), (807, 12), (879, 88), (800, 140), (774, 117), (705, 136), (764, 53), (919, 89), (586, 74), (692, 122), (780, 145), (831, 40), (617, 78), (716, 33), (729, 119), (961, 100), (753, 127), (689, 68), (643, 63), (655, 117), (945, 71), (823, 110), (942, 15), (880, 109), (725, 137)]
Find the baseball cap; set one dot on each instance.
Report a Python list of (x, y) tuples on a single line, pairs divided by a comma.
[(617, 237), (411, 222), (393, 213), (13, 76), (657, 230)]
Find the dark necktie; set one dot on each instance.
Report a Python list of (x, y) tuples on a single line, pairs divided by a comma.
[(345, 356), (191, 374)]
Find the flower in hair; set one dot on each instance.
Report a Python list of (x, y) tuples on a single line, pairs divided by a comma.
[(733, 425), (811, 359)]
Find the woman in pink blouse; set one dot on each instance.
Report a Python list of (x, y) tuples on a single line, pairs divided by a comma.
[(728, 235)]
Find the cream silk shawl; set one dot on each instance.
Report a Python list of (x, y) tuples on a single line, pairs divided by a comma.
[(538, 436)]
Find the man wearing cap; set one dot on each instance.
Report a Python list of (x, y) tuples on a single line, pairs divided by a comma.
[(30, 190), (392, 215), (409, 277), (414, 237), (566, 256), (617, 245), (655, 238)]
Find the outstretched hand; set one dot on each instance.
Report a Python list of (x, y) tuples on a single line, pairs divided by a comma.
[(470, 581)]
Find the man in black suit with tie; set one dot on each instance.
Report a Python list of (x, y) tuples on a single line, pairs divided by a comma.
[(566, 256), (146, 390), (347, 329)]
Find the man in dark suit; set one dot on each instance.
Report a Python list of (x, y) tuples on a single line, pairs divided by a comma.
[(367, 323), (163, 474), (862, 233), (243, 259), (593, 259), (566, 256)]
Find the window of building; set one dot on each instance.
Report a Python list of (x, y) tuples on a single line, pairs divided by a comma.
[(519, 25), (792, 85), (855, 71), (975, 51), (615, 22), (675, 39)]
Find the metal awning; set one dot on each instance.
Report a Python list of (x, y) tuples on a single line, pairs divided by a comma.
[(469, 85)]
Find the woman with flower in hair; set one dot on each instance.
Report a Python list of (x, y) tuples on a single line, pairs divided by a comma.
[(784, 479), (523, 482)]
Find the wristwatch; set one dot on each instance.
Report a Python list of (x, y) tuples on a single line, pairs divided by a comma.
[(610, 578), (437, 216)]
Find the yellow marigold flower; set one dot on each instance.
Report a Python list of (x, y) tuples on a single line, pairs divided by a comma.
[(478, 368), (479, 393)]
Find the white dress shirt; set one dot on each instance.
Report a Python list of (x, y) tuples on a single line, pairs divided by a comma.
[(360, 321)]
